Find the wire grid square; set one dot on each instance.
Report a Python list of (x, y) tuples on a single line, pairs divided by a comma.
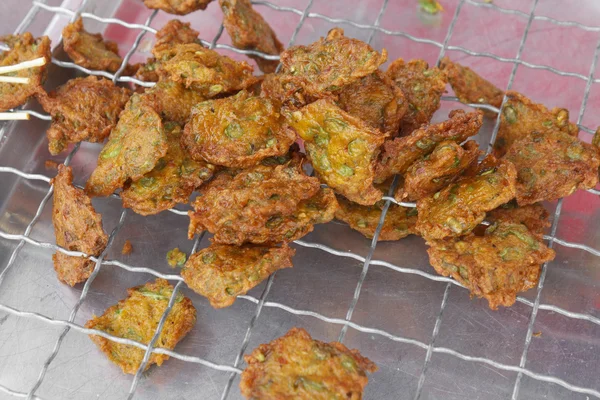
[(503, 368), (570, 10), (522, 7), (532, 389), (591, 118)]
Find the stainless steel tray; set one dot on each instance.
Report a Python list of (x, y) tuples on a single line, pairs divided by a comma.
[(428, 338)]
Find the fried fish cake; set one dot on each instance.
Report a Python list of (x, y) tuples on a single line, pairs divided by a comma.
[(133, 148), (376, 100), (83, 109), (249, 31), (237, 131), (172, 180), (173, 101), (443, 166), (23, 48), (533, 216), (457, 209), (77, 227), (295, 366), (422, 87), (262, 204), (137, 318), (552, 164), (342, 148), (90, 50), (206, 70), (178, 7), (399, 154), (471, 88), (222, 272), (498, 265), (399, 221), (328, 64), (520, 116)]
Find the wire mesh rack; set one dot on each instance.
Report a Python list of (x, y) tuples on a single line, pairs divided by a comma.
[(429, 341)]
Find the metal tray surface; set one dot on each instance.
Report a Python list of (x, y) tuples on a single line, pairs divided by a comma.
[(429, 339)]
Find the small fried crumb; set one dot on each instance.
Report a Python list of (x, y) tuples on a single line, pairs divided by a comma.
[(176, 257), (127, 248), (537, 334), (431, 6), (51, 164)]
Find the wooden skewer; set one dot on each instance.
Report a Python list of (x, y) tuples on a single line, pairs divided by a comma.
[(14, 116), (38, 62), (13, 79)]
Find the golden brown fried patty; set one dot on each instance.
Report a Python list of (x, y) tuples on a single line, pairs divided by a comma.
[(222, 272), (295, 366), (77, 227), (137, 318), (533, 216)]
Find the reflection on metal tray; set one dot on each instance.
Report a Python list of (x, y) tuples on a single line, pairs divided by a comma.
[(428, 338)]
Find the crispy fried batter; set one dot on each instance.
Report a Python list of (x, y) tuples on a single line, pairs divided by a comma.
[(376, 100), (422, 87), (83, 109), (237, 131), (176, 258), (457, 209), (222, 272), (89, 50), (520, 116), (283, 89), (172, 180), (249, 31), (127, 248), (498, 265), (178, 7), (342, 148), (471, 88), (77, 227), (171, 34), (23, 48), (437, 170), (328, 64), (137, 318), (533, 216), (173, 101), (133, 148), (297, 367), (399, 154), (399, 221), (206, 70), (263, 204), (552, 164)]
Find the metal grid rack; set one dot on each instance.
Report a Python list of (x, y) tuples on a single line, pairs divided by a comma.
[(261, 302)]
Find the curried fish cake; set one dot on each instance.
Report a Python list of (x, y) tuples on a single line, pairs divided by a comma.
[(457, 209), (399, 154), (136, 318), (90, 50), (533, 216), (133, 148), (422, 87), (520, 116), (552, 164), (172, 180), (471, 88), (173, 101), (249, 31), (399, 221), (23, 48), (435, 171), (375, 100), (83, 109), (295, 366), (342, 148), (328, 64), (178, 7), (77, 227), (503, 262), (206, 70), (237, 131), (262, 204), (222, 272)]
